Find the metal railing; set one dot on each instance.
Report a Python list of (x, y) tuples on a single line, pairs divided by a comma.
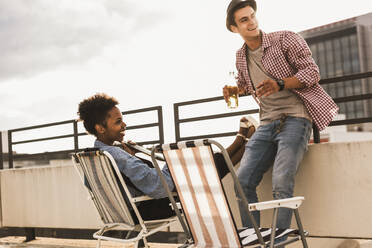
[(316, 135), (75, 135), (158, 124), (367, 96), (11, 156), (177, 122)]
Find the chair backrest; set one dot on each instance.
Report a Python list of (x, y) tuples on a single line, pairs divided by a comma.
[(97, 171), (201, 194)]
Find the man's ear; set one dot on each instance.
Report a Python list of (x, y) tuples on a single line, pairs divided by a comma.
[(100, 128), (234, 28)]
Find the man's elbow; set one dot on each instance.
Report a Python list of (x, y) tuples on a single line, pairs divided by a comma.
[(309, 78)]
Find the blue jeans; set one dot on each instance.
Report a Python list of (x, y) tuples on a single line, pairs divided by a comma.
[(281, 145)]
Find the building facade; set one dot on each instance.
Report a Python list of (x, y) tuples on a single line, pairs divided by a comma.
[(344, 48)]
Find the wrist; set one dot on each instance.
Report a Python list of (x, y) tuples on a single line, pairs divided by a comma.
[(281, 84)]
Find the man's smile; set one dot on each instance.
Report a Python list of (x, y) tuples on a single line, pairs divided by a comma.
[(252, 29)]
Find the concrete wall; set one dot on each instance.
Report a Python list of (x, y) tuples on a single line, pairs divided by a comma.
[(46, 197), (334, 178)]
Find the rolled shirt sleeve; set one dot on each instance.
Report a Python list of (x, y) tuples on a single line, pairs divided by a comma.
[(242, 85), (300, 57)]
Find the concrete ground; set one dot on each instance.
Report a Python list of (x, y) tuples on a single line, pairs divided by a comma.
[(41, 242)]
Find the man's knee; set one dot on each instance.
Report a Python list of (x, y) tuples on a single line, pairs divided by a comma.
[(283, 186), (281, 195)]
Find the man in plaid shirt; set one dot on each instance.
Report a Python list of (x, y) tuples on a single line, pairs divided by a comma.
[(278, 71)]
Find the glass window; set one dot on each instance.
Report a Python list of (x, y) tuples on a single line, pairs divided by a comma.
[(369, 108), (350, 106), (349, 90), (329, 58), (345, 48), (368, 85), (325, 87), (355, 66), (337, 54), (342, 108), (321, 60), (359, 109), (332, 90), (341, 88), (314, 51), (357, 87)]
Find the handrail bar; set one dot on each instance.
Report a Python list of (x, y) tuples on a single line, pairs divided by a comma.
[(361, 75), (353, 98), (76, 134), (42, 126), (316, 134), (217, 116)]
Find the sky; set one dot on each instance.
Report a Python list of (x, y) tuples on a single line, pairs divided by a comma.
[(144, 53)]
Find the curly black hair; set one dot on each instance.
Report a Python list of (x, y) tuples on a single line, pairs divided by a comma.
[(94, 110)]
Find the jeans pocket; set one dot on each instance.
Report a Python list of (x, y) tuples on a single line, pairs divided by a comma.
[(297, 129)]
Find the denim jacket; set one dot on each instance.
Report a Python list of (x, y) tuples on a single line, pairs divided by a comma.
[(144, 178)]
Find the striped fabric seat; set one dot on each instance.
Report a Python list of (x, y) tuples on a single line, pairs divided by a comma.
[(116, 207), (203, 200), (100, 178)]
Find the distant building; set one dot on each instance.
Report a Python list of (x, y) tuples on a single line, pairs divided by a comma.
[(344, 48)]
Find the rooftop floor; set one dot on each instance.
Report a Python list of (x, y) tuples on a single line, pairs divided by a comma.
[(41, 242)]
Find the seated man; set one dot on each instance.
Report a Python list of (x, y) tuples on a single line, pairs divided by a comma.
[(104, 120)]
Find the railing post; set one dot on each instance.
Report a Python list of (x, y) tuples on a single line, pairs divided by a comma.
[(176, 122), (1, 151), (30, 234), (76, 137), (161, 125), (316, 134), (10, 149)]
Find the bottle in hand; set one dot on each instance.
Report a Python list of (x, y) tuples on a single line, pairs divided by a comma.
[(233, 95)]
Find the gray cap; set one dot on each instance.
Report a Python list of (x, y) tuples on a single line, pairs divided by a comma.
[(234, 6)]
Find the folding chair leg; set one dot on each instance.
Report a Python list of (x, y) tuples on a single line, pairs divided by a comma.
[(145, 242), (300, 228), (98, 243), (136, 244), (273, 227)]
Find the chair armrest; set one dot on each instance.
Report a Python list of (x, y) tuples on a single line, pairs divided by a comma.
[(293, 203), (178, 204), (142, 198), (146, 198)]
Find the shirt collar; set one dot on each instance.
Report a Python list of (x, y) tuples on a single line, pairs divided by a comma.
[(265, 42), (99, 144)]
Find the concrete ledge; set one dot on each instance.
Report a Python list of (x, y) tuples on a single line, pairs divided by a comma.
[(46, 197), (334, 178)]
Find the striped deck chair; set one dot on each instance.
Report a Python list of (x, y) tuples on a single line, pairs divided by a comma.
[(209, 221), (106, 186)]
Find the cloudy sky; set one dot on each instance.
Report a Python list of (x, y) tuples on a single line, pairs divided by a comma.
[(145, 53)]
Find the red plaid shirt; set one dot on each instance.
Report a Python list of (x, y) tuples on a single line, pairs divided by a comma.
[(286, 54)]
